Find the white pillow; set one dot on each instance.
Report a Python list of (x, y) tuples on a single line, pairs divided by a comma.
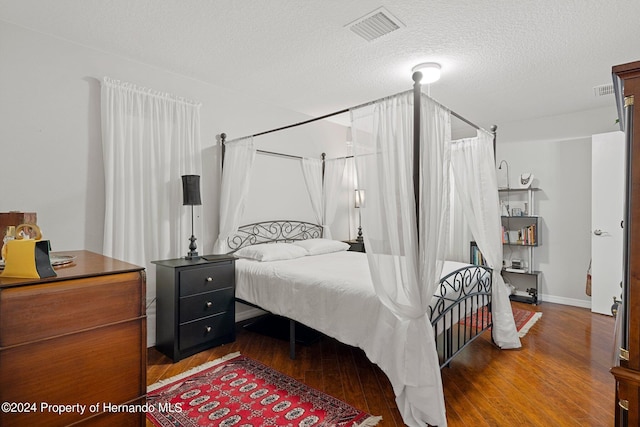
[(271, 252), (322, 246)]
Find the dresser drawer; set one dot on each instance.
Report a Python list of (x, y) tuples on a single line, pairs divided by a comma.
[(207, 329), (29, 313), (207, 278), (204, 305), (106, 364)]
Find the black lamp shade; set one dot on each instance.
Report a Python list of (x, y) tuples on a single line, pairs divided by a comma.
[(191, 190)]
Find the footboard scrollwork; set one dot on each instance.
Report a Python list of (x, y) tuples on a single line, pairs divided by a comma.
[(458, 314)]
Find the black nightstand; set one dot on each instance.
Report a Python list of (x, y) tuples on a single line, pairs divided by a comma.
[(195, 304), (355, 246)]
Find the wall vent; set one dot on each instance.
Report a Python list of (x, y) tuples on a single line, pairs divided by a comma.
[(603, 90), (375, 24)]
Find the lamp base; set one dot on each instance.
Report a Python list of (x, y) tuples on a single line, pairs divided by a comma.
[(192, 254), (360, 239)]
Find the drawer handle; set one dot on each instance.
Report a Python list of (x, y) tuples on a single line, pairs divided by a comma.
[(209, 279), (208, 329), (209, 304)]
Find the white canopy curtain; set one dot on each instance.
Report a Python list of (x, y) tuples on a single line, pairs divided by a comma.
[(312, 171), (236, 176), (459, 232), (406, 265), (333, 174), (473, 166), (323, 193), (149, 140)]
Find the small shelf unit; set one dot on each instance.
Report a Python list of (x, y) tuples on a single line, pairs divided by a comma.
[(522, 230)]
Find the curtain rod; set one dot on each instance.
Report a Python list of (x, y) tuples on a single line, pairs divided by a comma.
[(345, 110), (291, 156), (273, 153), (326, 116)]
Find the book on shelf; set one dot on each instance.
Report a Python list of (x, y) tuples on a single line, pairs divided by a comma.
[(476, 257), (515, 270), (523, 236)]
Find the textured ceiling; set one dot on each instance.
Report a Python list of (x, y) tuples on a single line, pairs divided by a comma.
[(502, 60)]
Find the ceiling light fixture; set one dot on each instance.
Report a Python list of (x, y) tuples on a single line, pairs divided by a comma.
[(430, 72)]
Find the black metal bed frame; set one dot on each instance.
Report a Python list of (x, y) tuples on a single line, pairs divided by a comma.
[(273, 231), (458, 317), (468, 294), (461, 294)]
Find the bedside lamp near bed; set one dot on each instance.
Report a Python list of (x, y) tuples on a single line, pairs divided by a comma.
[(359, 204), (191, 197)]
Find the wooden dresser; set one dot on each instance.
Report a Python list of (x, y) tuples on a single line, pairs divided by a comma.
[(78, 339), (627, 370)]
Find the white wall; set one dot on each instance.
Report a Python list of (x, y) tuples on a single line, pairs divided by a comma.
[(50, 138), (557, 150), (50, 147)]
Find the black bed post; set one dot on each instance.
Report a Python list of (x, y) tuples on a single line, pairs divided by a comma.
[(324, 156), (223, 138), (417, 76), (494, 129)]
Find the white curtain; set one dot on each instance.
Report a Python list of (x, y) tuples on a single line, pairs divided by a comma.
[(149, 140), (333, 175), (406, 253), (473, 166), (459, 232), (312, 171), (236, 176), (323, 194)]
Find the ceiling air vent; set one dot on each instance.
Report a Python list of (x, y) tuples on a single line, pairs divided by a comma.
[(375, 24), (603, 90)]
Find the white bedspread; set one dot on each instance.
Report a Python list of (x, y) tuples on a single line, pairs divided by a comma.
[(332, 293), (306, 290)]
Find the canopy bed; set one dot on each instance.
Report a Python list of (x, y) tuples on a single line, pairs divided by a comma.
[(400, 302)]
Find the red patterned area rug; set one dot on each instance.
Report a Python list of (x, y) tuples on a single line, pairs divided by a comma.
[(525, 319), (238, 391)]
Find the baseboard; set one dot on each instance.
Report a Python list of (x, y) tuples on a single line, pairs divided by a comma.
[(249, 313), (565, 301), (151, 325)]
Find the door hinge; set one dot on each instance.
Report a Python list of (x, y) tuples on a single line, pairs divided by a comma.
[(624, 404), (628, 100), (624, 354)]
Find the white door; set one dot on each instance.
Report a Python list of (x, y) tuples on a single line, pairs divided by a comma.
[(607, 207)]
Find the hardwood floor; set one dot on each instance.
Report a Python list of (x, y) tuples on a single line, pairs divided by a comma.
[(560, 376)]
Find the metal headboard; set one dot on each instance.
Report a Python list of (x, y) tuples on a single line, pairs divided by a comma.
[(273, 231)]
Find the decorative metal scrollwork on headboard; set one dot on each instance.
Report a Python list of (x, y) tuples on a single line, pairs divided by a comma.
[(273, 231)]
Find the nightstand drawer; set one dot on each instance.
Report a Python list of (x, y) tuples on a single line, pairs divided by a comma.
[(207, 329), (208, 278), (207, 304)]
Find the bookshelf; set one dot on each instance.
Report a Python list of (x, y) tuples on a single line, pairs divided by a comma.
[(520, 234)]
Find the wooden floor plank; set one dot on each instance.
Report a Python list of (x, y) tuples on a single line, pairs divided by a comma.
[(559, 377)]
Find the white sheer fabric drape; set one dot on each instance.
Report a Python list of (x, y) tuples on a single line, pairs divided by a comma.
[(405, 260), (333, 175), (323, 194), (149, 139), (473, 166), (312, 171), (236, 176), (459, 232)]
